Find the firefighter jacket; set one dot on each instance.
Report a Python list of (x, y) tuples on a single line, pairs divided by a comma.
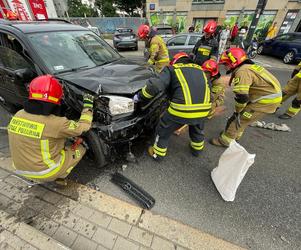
[(37, 144), (187, 89), (256, 87), (296, 70), (205, 49), (158, 53)]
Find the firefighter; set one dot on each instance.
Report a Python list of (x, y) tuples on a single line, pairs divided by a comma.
[(293, 87), (37, 135), (186, 86), (218, 84), (207, 47), (158, 52), (257, 93)]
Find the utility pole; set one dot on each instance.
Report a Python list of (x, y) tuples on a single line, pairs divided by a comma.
[(259, 10)]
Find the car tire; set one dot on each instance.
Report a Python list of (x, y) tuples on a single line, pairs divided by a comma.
[(260, 50), (97, 149), (136, 48), (289, 57), (10, 108)]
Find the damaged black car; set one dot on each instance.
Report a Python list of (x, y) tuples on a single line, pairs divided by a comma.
[(83, 62)]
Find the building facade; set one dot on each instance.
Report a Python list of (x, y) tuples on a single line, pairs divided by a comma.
[(28, 9), (185, 13)]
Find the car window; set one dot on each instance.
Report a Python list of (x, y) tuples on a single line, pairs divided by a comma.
[(164, 31), (10, 59), (177, 41), (11, 53), (193, 40), (282, 38), (72, 50)]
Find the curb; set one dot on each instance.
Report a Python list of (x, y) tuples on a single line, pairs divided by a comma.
[(167, 228)]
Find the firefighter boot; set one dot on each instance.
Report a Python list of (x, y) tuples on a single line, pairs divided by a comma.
[(217, 142), (153, 154)]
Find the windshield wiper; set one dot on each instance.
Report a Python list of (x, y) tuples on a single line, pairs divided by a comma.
[(72, 70)]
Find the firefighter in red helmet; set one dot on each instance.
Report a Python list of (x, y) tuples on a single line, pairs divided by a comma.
[(37, 134), (218, 84), (257, 93), (158, 52), (187, 88), (207, 47)]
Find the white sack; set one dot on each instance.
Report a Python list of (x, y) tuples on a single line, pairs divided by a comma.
[(232, 167)]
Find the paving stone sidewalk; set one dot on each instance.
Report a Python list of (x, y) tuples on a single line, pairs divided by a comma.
[(76, 217)]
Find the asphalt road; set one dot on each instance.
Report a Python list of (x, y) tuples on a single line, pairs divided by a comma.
[(266, 212)]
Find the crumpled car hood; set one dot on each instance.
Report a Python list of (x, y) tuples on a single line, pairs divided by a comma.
[(119, 77)]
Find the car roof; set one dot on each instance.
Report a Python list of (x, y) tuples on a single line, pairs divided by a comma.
[(43, 26), (291, 33), (163, 26)]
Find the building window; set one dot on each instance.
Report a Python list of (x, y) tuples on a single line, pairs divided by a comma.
[(207, 1)]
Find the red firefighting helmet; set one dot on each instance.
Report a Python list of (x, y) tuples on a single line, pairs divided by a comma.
[(143, 31), (10, 15), (210, 27), (177, 57), (46, 89), (210, 66), (233, 57)]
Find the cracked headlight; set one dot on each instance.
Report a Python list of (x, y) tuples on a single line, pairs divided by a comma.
[(120, 105)]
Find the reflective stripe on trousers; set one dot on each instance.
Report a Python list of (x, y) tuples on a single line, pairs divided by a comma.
[(53, 167)]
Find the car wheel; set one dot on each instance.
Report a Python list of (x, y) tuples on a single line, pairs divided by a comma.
[(289, 57), (136, 48), (260, 50), (97, 149), (10, 108)]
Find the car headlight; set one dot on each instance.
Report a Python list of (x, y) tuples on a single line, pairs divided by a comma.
[(120, 105)]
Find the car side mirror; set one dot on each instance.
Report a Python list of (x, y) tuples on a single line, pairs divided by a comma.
[(25, 74)]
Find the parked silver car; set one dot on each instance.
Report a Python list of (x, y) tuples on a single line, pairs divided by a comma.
[(183, 42)]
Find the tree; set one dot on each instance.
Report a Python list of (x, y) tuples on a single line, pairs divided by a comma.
[(106, 7), (77, 9), (129, 6)]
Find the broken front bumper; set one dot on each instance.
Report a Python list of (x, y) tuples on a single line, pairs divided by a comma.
[(129, 128)]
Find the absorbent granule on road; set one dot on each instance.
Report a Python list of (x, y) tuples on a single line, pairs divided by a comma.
[(272, 126)]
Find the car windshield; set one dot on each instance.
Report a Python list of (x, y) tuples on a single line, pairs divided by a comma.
[(66, 51), (166, 31)]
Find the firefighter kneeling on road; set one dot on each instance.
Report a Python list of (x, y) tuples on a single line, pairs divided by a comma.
[(186, 86), (218, 84), (158, 52), (37, 135), (293, 87), (257, 93)]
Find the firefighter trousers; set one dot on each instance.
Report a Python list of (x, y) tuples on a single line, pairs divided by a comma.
[(72, 158), (233, 133), (293, 87), (166, 128)]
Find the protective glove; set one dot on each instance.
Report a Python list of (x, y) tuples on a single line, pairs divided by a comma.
[(136, 98), (88, 100)]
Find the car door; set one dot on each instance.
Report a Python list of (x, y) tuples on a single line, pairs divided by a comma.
[(282, 46), (191, 43), (277, 44), (176, 45), (13, 67), (271, 44)]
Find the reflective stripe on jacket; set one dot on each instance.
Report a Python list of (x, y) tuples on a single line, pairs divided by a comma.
[(37, 142), (158, 51)]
